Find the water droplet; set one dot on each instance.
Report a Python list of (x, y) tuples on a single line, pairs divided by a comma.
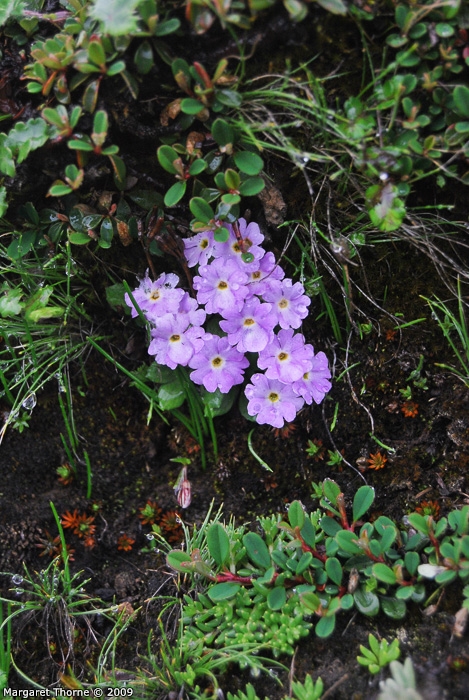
[(178, 520), (115, 609), (17, 579), (150, 536), (19, 591), (29, 402)]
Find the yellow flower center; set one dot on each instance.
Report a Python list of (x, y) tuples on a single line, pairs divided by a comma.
[(249, 322), (283, 304), (273, 396), (217, 361), (204, 243), (155, 295), (222, 285), (282, 356), (175, 338)]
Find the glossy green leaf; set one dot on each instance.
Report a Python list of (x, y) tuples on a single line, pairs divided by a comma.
[(96, 53), (191, 106), (418, 522), (325, 627), (175, 193), (171, 396), (304, 563), (180, 561), (248, 163), (461, 100), (223, 133), (117, 16), (393, 608), (366, 602), (347, 541), (296, 514), (223, 591), (251, 186), (384, 573), (333, 569), (166, 157), (276, 598), (256, 550), (201, 210), (216, 403), (143, 58), (197, 167), (362, 501), (218, 543)]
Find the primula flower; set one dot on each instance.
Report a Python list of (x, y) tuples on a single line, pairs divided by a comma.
[(218, 365), (286, 358), (156, 298), (199, 248), (315, 384), (174, 342), (250, 329), (189, 307), (289, 302), (268, 270), (251, 237), (221, 286), (271, 401)]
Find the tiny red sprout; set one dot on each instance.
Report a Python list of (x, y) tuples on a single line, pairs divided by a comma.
[(70, 519), (428, 508), (171, 526), (66, 473), (84, 527), (285, 432), (377, 461), (150, 513), (390, 334), (410, 409), (52, 546), (89, 542), (125, 543)]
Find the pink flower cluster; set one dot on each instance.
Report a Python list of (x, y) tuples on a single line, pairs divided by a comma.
[(260, 311)]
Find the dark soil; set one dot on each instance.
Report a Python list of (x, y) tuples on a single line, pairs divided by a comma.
[(131, 464)]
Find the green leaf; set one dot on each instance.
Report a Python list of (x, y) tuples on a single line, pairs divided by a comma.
[(229, 98), (418, 522), (303, 564), (27, 136), (347, 541), (166, 157), (218, 543), (384, 573), (96, 53), (171, 396), (251, 186), (3, 202), (78, 238), (366, 602), (175, 193), (248, 163), (10, 304), (336, 7), (276, 598), (21, 245), (180, 561), (144, 58), (10, 8), (393, 608), (117, 16), (197, 167), (334, 570), (257, 550), (201, 210), (310, 601), (362, 501), (60, 190), (223, 133), (461, 100), (191, 106), (331, 490), (216, 403), (223, 591), (168, 26), (308, 532), (330, 526), (7, 164), (296, 514), (325, 626)]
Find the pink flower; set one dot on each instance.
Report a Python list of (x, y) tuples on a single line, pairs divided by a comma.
[(221, 286), (314, 384), (174, 342), (156, 298), (271, 401), (250, 329), (217, 365), (289, 302), (286, 358)]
